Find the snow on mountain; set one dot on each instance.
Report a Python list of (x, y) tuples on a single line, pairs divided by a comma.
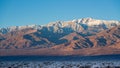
[(14, 28), (78, 25), (87, 21), (93, 22)]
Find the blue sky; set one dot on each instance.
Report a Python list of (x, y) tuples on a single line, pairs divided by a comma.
[(27, 12)]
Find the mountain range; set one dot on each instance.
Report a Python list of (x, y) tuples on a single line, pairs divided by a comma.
[(86, 36)]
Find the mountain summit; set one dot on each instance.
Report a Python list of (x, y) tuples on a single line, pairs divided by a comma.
[(62, 38), (78, 25)]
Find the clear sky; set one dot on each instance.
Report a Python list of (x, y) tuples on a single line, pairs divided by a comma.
[(27, 12)]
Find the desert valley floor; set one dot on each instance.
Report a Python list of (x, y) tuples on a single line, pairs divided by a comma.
[(105, 61)]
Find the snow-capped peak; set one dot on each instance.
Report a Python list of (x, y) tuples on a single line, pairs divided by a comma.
[(76, 25)]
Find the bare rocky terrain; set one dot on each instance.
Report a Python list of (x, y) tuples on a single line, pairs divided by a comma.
[(84, 36)]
